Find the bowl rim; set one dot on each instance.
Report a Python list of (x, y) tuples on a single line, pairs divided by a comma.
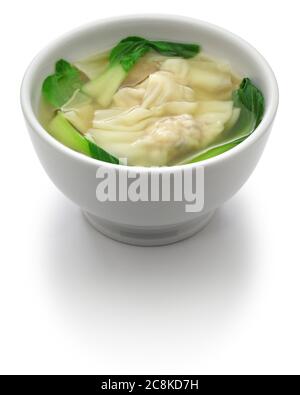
[(268, 118)]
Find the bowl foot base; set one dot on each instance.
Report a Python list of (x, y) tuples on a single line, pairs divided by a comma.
[(149, 236)]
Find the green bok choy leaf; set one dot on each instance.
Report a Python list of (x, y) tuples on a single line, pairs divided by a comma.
[(250, 100), (60, 86), (63, 131), (123, 57)]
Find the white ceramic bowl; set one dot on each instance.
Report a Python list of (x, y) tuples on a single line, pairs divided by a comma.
[(148, 222)]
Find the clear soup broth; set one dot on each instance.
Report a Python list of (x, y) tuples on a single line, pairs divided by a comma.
[(150, 103)]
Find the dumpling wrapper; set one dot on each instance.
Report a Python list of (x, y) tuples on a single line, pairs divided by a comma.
[(128, 97), (147, 65), (204, 74), (161, 135), (159, 117), (161, 87), (79, 111)]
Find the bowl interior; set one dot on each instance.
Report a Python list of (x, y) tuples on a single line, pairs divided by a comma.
[(104, 34)]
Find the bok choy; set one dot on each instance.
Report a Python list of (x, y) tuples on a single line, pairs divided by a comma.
[(249, 99), (58, 88), (123, 57), (177, 110), (63, 131)]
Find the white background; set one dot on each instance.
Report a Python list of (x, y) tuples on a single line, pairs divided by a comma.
[(225, 301)]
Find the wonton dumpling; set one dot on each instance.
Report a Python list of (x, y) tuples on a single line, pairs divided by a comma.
[(160, 120), (161, 135), (162, 87), (208, 78), (204, 107), (79, 110), (108, 136), (134, 119), (141, 70), (128, 97), (175, 108), (166, 140), (106, 113), (178, 67), (169, 138), (209, 63)]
